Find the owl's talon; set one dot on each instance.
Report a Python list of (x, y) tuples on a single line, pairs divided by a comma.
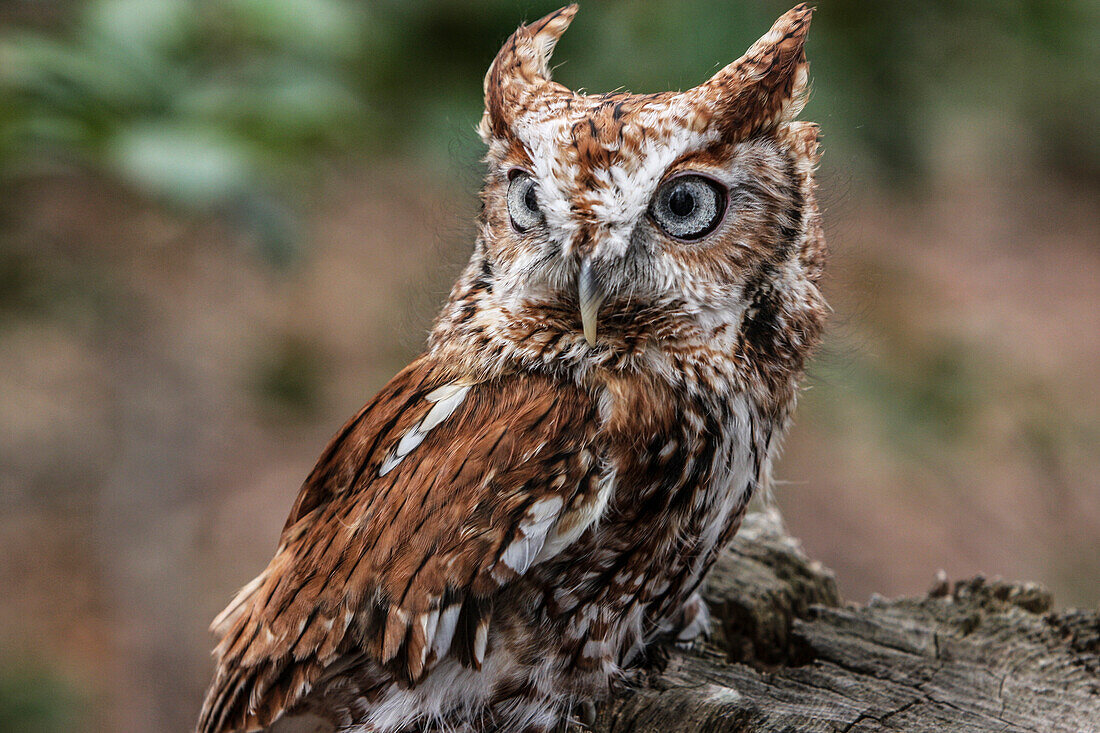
[(693, 623)]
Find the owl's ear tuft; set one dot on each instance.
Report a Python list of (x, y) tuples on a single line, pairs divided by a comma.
[(522, 66), (764, 88)]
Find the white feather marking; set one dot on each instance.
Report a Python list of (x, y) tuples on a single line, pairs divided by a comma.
[(447, 390), (518, 555), (446, 400), (445, 632), (522, 551), (573, 523), (409, 441), (481, 640), (390, 463), (721, 695), (593, 648), (428, 622), (578, 626), (543, 511)]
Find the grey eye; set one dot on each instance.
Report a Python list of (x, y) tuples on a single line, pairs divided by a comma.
[(688, 207), (523, 204)]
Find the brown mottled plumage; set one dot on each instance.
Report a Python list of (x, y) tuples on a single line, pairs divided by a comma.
[(534, 500)]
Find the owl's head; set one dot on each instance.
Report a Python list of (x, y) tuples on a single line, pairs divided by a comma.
[(616, 225)]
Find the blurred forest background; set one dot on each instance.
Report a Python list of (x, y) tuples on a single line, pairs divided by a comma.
[(224, 224)]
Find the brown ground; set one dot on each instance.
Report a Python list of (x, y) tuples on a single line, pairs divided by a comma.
[(163, 392)]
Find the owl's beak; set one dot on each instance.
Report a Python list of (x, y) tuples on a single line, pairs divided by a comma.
[(590, 295)]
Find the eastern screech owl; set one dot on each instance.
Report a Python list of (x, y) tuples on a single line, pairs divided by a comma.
[(533, 501)]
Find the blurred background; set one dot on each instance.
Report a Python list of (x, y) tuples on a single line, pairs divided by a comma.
[(224, 224)]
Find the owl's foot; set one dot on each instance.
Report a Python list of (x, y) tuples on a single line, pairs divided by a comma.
[(692, 623)]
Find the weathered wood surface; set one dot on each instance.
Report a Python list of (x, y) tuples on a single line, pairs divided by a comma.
[(788, 655)]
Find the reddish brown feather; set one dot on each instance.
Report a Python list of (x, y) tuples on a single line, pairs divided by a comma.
[(383, 550), (749, 93)]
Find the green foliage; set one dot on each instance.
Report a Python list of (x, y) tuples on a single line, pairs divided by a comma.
[(34, 700), (207, 105)]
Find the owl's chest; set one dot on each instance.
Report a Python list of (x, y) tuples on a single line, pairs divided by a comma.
[(678, 473), (680, 481)]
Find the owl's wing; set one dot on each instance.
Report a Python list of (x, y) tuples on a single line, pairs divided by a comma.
[(431, 498)]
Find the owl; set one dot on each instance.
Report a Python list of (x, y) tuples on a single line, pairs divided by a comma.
[(501, 533)]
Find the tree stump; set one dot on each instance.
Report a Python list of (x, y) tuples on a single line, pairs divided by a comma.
[(787, 654)]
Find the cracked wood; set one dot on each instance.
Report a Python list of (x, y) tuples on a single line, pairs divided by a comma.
[(788, 655)]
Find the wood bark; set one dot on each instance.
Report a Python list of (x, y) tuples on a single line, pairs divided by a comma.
[(787, 654)]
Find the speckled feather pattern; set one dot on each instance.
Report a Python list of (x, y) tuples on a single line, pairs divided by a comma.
[(505, 528)]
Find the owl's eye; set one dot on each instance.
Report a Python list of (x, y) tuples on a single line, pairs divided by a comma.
[(523, 204), (688, 207)]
